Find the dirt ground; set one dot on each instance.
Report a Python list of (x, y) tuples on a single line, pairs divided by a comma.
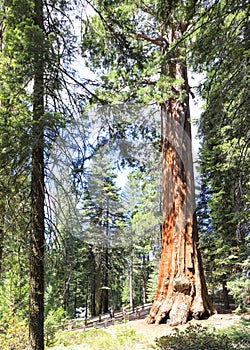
[(218, 321)]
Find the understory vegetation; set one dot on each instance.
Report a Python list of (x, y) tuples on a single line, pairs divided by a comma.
[(198, 337), (122, 337)]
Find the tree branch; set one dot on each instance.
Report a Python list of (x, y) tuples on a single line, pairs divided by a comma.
[(160, 41)]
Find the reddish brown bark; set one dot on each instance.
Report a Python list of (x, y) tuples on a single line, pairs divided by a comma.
[(182, 291)]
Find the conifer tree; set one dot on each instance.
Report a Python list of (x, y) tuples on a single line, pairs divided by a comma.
[(103, 227), (143, 203), (145, 61), (37, 49), (221, 50)]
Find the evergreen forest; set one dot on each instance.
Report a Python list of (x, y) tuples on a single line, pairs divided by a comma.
[(124, 163)]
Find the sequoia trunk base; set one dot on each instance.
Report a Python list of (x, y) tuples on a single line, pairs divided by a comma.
[(180, 295)]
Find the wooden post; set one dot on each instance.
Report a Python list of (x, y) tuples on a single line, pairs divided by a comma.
[(70, 325)]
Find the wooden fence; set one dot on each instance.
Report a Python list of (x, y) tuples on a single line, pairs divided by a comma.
[(105, 320)]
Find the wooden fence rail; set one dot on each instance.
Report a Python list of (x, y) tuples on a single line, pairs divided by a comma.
[(105, 320)]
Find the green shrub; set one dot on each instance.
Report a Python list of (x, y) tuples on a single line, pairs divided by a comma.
[(239, 288), (196, 337), (13, 334), (54, 318)]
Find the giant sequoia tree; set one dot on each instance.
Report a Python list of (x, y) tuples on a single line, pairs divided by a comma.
[(144, 50), (181, 289)]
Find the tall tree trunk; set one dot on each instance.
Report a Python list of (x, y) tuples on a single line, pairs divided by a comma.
[(2, 200), (93, 296), (131, 277), (37, 238), (91, 279), (181, 291), (2, 234), (225, 295), (98, 279), (144, 278), (105, 277), (105, 291)]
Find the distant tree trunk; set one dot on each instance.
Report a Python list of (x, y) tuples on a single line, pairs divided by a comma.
[(144, 278), (75, 297), (225, 295), (105, 277), (92, 283), (105, 291), (98, 279), (181, 292), (37, 238), (92, 302), (131, 267)]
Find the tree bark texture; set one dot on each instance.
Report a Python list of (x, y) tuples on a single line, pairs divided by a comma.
[(2, 234), (182, 291), (2, 204), (37, 238)]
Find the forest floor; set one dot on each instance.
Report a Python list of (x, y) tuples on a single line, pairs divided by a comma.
[(150, 331), (136, 334)]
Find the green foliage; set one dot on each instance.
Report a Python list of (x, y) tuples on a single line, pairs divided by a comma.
[(123, 337), (14, 259), (103, 217), (152, 282), (87, 259), (14, 293), (144, 213), (144, 190), (239, 287), (13, 334), (54, 318), (126, 44), (125, 292), (197, 337), (220, 50), (102, 208)]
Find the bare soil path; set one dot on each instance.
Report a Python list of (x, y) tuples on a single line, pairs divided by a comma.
[(150, 332)]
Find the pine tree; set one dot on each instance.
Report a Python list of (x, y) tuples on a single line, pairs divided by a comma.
[(104, 223), (144, 212)]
